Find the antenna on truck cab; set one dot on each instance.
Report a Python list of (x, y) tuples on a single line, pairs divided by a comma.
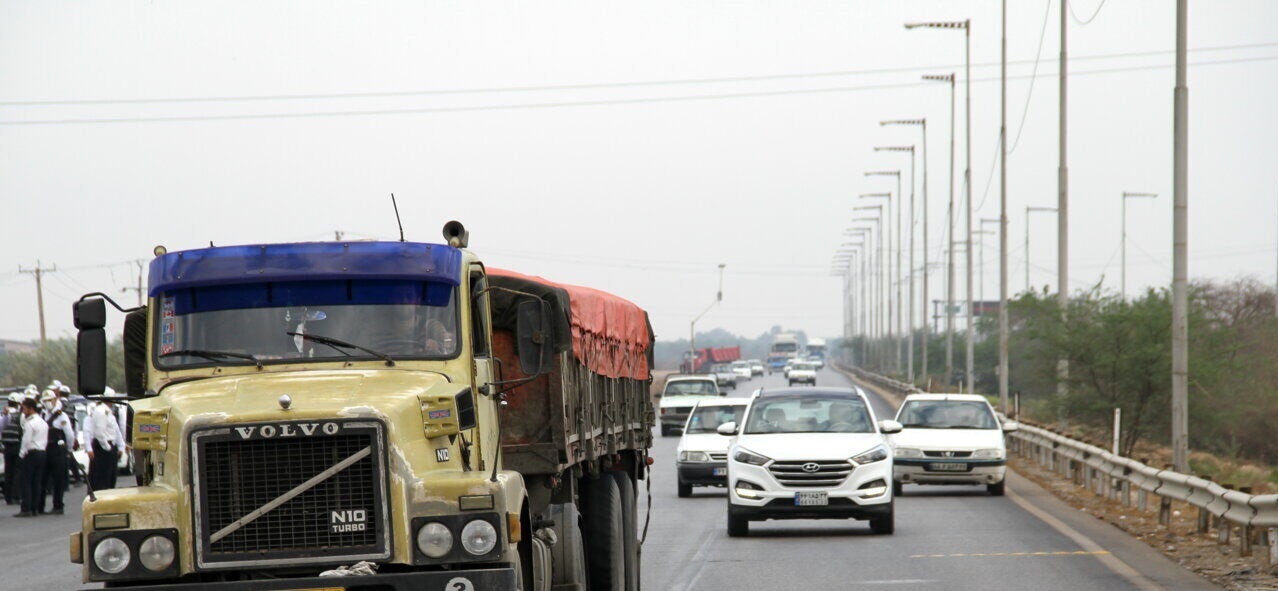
[(397, 220)]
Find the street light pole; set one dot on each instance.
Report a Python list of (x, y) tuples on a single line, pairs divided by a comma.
[(949, 229), (1128, 195), (926, 333), (879, 287), (692, 326), (908, 328), (1062, 205), (1004, 325), (1028, 211), (1180, 251), (894, 306)]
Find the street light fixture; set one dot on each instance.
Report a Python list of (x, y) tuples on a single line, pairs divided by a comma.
[(1129, 195), (692, 326)]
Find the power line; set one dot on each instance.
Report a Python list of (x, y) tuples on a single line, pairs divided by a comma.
[(1042, 34), (1089, 20), (564, 104)]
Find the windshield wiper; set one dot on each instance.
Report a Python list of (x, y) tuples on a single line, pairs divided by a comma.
[(214, 355), (339, 345)]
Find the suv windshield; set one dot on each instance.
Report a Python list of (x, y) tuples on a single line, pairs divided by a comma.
[(947, 414), (809, 414), (396, 319), (706, 419), (690, 387)]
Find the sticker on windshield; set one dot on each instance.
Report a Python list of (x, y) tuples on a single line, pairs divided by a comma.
[(168, 326)]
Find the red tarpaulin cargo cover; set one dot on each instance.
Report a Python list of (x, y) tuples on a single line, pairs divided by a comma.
[(610, 334)]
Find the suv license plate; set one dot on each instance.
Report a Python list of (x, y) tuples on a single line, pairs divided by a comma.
[(949, 467), (818, 498)]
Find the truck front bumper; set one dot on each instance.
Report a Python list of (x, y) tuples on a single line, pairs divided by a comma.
[(488, 578)]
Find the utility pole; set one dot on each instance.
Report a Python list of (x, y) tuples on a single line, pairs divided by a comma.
[(967, 181), (1180, 252), (1062, 204), (1004, 328), (38, 272)]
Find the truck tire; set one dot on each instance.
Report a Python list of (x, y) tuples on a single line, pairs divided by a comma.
[(629, 521), (603, 525), (568, 557)]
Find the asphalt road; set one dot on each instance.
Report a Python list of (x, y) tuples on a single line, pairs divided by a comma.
[(947, 537), (951, 538)]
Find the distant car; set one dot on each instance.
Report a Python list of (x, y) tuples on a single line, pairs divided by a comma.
[(810, 454), (803, 372), (756, 367), (703, 452), (680, 394), (724, 375), (789, 365), (742, 369), (949, 439)]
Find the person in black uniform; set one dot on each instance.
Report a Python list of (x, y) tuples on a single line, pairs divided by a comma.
[(61, 435), (11, 439)]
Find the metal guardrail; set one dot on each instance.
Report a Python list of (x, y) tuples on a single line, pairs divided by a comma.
[(1117, 477)]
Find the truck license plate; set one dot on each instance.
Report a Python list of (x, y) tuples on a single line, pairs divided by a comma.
[(719, 472), (949, 467), (817, 498)]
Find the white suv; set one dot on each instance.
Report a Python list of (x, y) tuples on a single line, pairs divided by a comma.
[(949, 439), (809, 454)]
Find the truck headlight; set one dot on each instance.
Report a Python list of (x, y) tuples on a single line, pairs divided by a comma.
[(693, 456), (908, 452), (877, 453), (479, 537), (156, 553), (434, 539), (988, 454), (112, 556)]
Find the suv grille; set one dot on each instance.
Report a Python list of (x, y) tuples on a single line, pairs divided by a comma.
[(326, 513), (827, 473)]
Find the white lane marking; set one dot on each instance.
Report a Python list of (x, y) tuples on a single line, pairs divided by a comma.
[(1112, 562)]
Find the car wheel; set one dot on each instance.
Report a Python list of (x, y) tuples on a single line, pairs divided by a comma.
[(887, 524), (897, 488), (665, 430), (685, 489), (738, 525), (997, 489)]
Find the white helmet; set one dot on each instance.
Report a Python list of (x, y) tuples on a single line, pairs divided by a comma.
[(110, 392), (48, 395), (64, 388), (16, 397)]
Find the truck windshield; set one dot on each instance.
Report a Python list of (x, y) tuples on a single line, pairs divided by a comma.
[(422, 327)]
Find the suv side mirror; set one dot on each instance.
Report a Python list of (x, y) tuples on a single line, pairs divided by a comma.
[(889, 426), (90, 362), (532, 331), (728, 428), (1010, 426)]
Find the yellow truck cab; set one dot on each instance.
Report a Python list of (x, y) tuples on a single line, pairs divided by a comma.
[(370, 415)]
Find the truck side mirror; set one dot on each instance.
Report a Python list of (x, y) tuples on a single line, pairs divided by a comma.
[(90, 319), (532, 330)]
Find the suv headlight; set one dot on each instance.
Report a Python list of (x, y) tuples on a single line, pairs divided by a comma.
[(748, 457), (988, 454), (156, 553), (434, 539), (877, 453), (479, 537), (693, 456), (112, 556), (908, 452)]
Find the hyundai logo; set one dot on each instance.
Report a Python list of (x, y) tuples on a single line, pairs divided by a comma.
[(811, 467)]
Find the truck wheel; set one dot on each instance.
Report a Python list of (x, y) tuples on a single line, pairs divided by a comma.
[(887, 524), (997, 489), (738, 525), (568, 557), (629, 528), (604, 529), (685, 489)]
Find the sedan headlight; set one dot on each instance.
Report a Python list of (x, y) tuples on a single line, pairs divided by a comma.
[(479, 537), (112, 556), (908, 452), (877, 453), (748, 457), (693, 456), (988, 454), (434, 539), (156, 553)]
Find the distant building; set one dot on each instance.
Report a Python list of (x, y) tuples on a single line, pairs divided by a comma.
[(9, 346)]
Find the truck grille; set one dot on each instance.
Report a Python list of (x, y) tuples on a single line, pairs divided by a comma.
[(827, 473), (317, 489)]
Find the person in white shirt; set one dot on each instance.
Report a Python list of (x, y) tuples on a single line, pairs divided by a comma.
[(35, 437), (57, 452), (104, 436)]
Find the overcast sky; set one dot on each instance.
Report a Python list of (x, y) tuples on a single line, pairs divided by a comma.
[(605, 186)]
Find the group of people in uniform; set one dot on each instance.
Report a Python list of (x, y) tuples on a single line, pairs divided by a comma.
[(38, 434)]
